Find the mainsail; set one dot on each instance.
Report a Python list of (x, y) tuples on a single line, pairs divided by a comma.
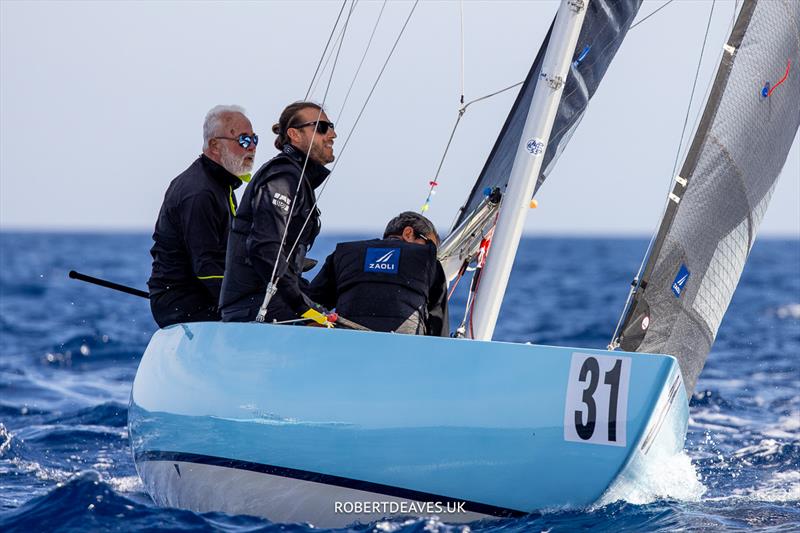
[(605, 26), (718, 199)]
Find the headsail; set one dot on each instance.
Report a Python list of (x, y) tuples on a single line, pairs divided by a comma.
[(722, 190), (605, 26)]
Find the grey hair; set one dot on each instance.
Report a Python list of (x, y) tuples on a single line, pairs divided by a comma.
[(417, 222), (214, 118)]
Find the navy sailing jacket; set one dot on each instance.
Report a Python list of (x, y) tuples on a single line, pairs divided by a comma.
[(191, 233), (385, 285), (269, 205)]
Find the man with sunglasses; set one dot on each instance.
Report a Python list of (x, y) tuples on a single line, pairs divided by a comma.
[(278, 222), (191, 233), (391, 284)]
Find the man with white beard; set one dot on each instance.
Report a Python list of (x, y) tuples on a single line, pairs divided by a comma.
[(191, 233)]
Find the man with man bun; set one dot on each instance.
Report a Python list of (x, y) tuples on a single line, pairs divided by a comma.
[(191, 233), (278, 222)]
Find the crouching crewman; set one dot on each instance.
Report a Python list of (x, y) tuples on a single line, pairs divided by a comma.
[(391, 284)]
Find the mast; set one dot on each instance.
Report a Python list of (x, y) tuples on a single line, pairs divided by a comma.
[(526, 168)]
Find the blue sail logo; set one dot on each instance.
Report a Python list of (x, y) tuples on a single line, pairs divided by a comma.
[(680, 281)]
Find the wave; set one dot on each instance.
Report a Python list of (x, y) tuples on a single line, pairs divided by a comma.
[(709, 398), (8, 411), (111, 414), (770, 452), (22, 290), (86, 349), (72, 437), (87, 502), (781, 487)]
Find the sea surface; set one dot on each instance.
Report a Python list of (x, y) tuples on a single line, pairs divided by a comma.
[(69, 352)]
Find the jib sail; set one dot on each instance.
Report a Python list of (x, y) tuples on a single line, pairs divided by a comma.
[(604, 27), (718, 199)]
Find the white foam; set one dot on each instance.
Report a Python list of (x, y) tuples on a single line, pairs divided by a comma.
[(781, 487), (671, 477), (763, 450), (5, 440), (42, 473), (789, 311), (787, 427), (126, 484)]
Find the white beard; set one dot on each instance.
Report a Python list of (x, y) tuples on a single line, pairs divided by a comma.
[(238, 166)]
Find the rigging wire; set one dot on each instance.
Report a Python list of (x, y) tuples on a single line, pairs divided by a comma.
[(694, 86), (435, 181), (336, 43), (336, 59), (363, 57), (350, 133), (325, 50), (461, 110), (272, 286), (651, 14), (461, 18), (637, 279)]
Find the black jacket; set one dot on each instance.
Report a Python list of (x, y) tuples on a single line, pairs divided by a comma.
[(255, 239), (385, 285), (191, 233)]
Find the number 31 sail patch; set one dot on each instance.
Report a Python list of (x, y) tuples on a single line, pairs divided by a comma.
[(596, 409)]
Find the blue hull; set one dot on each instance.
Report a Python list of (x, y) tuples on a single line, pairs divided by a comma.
[(331, 426)]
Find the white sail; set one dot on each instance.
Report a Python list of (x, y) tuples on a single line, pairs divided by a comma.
[(722, 191)]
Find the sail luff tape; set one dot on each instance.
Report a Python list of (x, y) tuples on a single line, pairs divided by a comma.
[(730, 49), (681, 180), (674, 197)]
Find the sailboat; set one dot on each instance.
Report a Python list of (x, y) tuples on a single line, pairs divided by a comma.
[(332, 426)]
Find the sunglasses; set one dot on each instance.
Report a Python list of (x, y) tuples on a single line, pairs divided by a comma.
[(322, 126), (424, 238), (244, 140)]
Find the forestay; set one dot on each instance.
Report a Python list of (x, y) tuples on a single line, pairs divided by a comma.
[(604, 28), (722, 191)]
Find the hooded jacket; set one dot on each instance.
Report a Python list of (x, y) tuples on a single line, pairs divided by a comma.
[(269, 206)]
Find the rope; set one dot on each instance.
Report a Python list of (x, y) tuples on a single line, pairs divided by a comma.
[(369, 43), (325, 50), (350, 133), (637, 279)]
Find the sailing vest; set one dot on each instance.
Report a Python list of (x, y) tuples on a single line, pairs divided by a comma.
[(384, 284)]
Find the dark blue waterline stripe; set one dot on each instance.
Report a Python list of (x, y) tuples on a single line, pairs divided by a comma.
[(316, 477)]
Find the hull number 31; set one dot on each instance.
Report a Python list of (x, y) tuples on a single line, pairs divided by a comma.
[(596, 409)]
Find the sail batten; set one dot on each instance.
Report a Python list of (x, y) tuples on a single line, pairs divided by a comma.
[(721, 192)]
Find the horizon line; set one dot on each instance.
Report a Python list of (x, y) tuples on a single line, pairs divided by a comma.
[(85, 230)]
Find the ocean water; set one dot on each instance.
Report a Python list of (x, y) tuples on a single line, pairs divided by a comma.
[(69, 352)]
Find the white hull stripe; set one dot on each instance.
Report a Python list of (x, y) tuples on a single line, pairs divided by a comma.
[(326, 479)]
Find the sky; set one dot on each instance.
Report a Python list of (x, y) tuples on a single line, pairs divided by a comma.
[(102, 104)]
